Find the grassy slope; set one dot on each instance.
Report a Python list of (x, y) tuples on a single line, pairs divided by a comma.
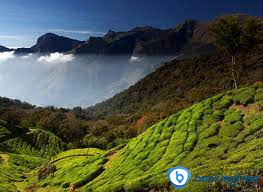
[(222, 134)]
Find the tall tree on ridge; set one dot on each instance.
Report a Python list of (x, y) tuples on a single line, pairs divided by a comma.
[(235, 37)]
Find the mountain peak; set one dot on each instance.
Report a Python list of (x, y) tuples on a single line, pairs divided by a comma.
[(50, 34), (51, 42)]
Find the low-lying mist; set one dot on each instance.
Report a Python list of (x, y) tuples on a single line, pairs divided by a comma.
[(69, 80)]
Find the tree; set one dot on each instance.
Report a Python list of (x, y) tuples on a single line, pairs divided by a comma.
[(235, 37)]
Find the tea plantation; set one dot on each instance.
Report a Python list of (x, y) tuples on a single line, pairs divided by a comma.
[(223, 135)]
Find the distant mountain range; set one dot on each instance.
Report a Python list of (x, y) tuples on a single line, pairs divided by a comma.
[(192, 38), (140, 40)]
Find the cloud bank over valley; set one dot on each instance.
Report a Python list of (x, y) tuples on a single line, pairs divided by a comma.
[(66, 80)]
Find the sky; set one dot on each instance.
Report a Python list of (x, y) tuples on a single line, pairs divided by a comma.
[(23, 21)]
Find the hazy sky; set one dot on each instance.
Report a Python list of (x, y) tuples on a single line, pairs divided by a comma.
[(22, 21)]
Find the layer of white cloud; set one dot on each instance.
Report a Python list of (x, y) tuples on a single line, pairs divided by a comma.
[(4, 56), (66, 80), (56, 58)]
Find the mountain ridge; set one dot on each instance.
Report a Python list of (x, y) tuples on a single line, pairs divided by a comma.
[(146, 40)]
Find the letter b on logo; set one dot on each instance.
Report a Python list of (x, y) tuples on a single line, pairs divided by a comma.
[(178, 176)]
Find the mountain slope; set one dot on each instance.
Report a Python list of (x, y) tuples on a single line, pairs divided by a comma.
[(223, 134), (178, 82)]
